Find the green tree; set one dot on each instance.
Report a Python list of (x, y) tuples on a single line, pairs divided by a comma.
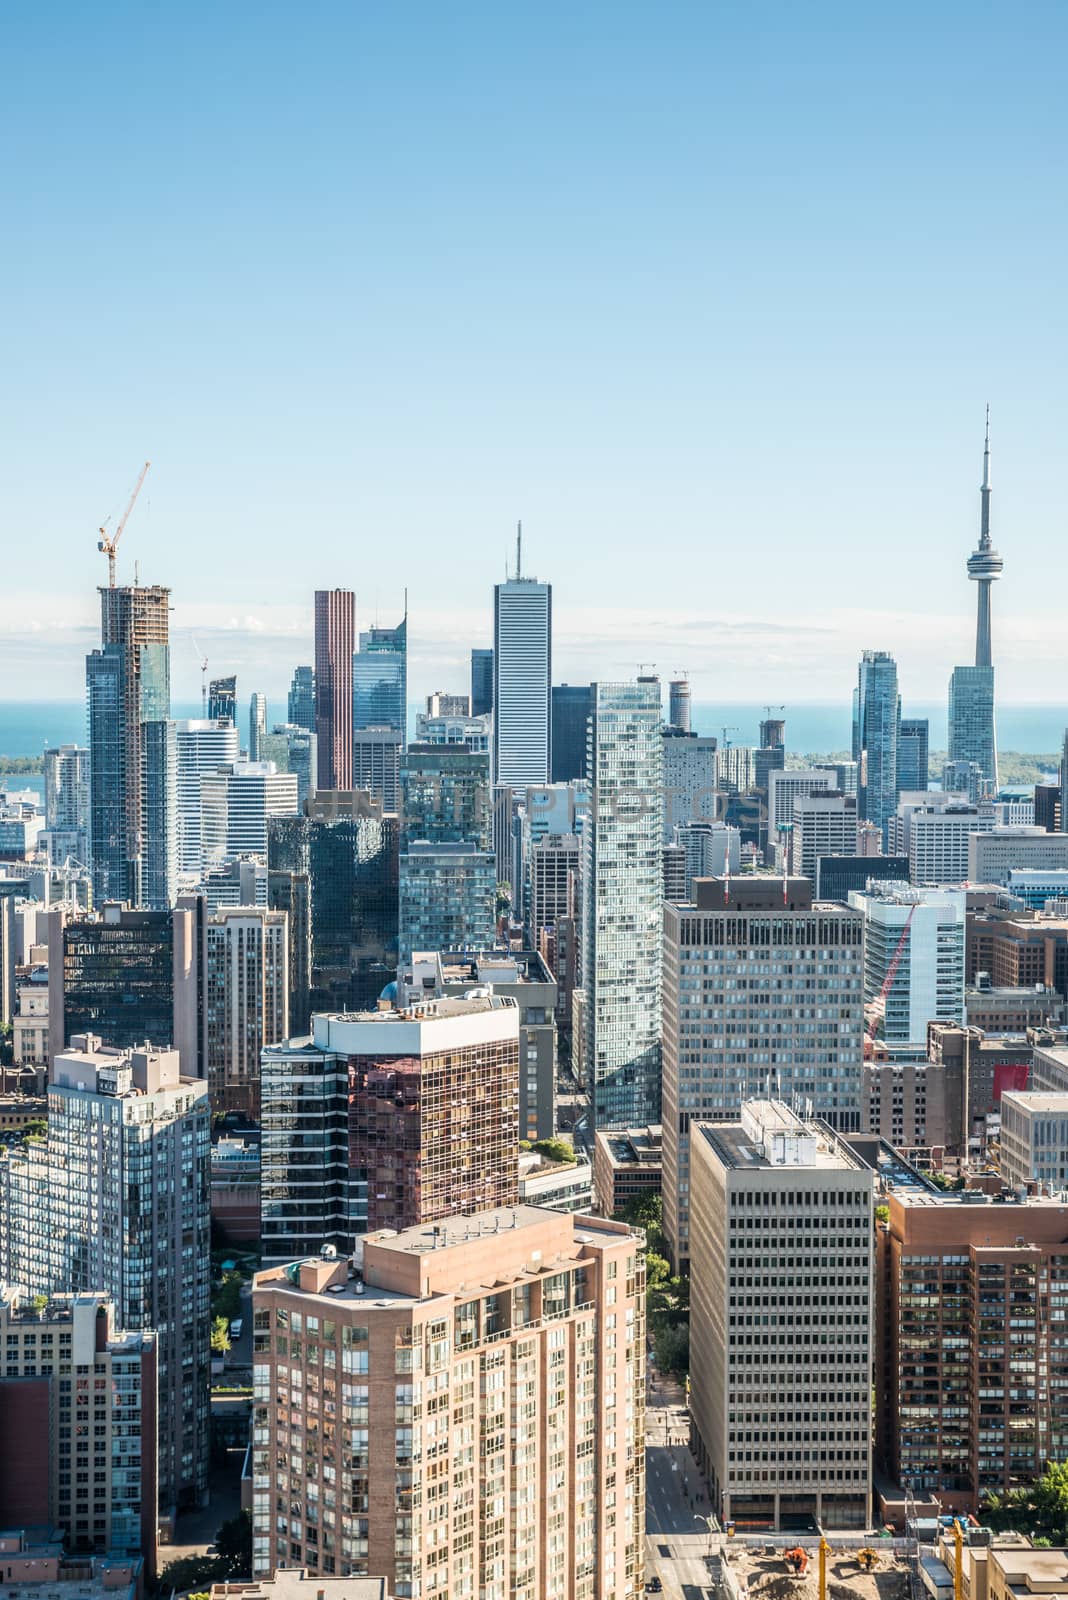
[(555, 1149), (220, 1336), (189, 1573), (1040, 1507), (233, 1545)]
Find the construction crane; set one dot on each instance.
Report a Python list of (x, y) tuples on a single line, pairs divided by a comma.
[(203, 677), (725, 731), (877, 1008), (109, 546)]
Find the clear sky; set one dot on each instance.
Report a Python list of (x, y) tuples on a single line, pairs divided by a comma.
[(711, 295)]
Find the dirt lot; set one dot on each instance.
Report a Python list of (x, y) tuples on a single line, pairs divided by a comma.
[(768, 1579)]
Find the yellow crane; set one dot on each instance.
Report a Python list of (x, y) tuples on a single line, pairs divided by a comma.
[(109, 545)]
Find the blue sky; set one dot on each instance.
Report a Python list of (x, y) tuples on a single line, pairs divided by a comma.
[(711, 295)]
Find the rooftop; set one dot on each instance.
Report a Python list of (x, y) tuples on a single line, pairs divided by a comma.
[(1037, 1102), (770, 1135), (294, 1583), (634, 1146)]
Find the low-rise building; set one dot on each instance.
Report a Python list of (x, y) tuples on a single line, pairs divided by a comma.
[(29, 1025), (1034, 1140), (560, 1185), (999, 1010), (35, 1567), (296, 1583), (626, 1164)]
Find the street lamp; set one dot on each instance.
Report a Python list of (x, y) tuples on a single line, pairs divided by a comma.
[(710, 1523)]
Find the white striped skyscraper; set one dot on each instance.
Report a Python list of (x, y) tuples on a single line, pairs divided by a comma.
[(522, 675)]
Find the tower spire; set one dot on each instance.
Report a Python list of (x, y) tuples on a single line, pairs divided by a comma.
[(519, 549), (984, 492)]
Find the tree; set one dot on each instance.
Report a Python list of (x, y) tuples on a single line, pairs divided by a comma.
[(190, 1572), (555, 1149), (220, 1336), (1040, 1507), (233, 1545)]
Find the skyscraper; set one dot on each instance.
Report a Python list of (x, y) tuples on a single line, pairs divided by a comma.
[(679, 704), (302, 698), (222, 699), (912, 754), (66, 775), (481, 682), (571, 707), (128, 687), (335, 640), (201, 746), (124, 1211), (972, 734), (522, 677), (623, 896), (235, 803), (245, 1001), (380, 679), (257, 726), (876, 720)]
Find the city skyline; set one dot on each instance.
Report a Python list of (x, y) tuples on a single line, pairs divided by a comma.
[(515, 298)]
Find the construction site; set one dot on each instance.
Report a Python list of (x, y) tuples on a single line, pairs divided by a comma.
[(771, 1573)]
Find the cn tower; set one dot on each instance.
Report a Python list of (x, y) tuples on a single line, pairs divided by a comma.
[(984, 563)]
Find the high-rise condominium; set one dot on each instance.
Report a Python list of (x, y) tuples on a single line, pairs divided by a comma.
[(380, 679), (972, 734), (623, 899), (124, 1211), (222, 699), (689, 780), (245, 1004), (257, 726), (679, 704), (131, 777), (302, 698), (796, 1025), (66, 775), (78, 1424), (522, 677), (781, 1240), (447, 869), (335, 641), (389, 1118), (489, 1373), (201, 746), (876, 719)]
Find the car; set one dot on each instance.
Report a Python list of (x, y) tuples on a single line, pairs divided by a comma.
[(654, 1586)]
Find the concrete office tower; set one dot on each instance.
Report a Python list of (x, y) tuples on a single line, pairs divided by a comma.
[(128, 687), (474, 732), (806, 1042), (222, 700), (783, 789), (522, 675), (296, 750), (554, 867), (376, 764), (956, 1273), (1034, 1140), (912, 754), (679, 704), (935, 838), (622, 907), (85, 1447), (876, 723), (822, 825), (66, 778), (235, 804), (736, 765), (781, 1420), (200, 746), (246, 1001), (127, 1214), (507, 1316), (125, 976), (257, 726), (993, 855), (380, 679), (335, 641), (673, 857), (919, 935), (572, 704), (689, 766), (301, 705), (481, 683), (335, 1157)]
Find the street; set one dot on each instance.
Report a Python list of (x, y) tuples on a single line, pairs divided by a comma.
[(676, 1499)]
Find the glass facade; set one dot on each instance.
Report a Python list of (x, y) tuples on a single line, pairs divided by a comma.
[(302, 699), (971, 720), (876, 724), (447, 898), (380, 679), (118, 978), (445, 791), (623, 904)]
